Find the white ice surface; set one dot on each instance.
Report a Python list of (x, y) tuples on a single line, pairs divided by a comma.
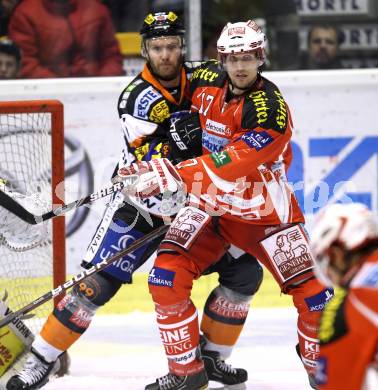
[(124, 353)]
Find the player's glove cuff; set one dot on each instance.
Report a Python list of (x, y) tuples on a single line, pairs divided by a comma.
[(158, 176)]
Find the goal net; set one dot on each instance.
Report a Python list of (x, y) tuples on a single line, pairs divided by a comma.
[(32, 257)]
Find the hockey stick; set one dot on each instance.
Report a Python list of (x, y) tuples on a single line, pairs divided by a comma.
[(21, 212), (83, 275)]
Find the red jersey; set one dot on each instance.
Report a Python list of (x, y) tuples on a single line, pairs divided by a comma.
[(349, 331), (246, 147)]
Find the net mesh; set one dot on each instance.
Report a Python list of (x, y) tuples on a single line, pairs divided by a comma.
[(26, 265)]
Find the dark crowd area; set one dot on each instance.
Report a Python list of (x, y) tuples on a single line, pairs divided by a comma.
[(86, 38)]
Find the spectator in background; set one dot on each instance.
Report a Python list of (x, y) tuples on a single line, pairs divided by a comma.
[(10, 58), (6, 8), (323, 43), (282, 25), (62, 38)]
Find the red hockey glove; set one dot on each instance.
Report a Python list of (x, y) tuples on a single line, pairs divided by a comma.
[(158, 176)]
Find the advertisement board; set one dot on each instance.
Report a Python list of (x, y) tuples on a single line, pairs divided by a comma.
[(311, 8)]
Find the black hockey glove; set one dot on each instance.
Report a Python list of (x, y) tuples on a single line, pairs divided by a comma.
[(185, 138)]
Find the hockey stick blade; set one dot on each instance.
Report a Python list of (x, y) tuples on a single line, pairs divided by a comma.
[(21, 212), (83, 275)]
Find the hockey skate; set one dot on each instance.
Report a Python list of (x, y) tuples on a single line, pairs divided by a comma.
[(35, 373), (197, 381), (219, 371)]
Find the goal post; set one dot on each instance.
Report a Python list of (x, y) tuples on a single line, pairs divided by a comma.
[(32, 165)]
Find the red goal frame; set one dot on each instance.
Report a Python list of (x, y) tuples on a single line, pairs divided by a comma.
[(56, 109)]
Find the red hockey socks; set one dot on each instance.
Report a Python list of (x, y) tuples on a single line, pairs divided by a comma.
[(180, 336), (309, 298)]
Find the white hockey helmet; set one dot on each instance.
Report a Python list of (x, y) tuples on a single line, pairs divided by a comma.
[(242, 37), (350, 226)]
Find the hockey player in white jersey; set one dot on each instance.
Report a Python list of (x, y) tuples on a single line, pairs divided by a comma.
[(147, 108)]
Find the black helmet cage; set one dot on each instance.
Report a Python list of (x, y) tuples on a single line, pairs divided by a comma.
[(161, 24)]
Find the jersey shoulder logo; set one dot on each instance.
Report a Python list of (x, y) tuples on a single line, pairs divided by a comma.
[(257, 140), (144, 101), (207, 74), (159, 112), (265, 108)]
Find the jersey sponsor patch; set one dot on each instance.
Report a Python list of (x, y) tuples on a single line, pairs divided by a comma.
[(269, 110), (81, 318), (289, 252), (317, 302), (281, 113), (67, 299), (111, 238), (159, 112), (260, 101), (217, 128), (212, 142), (161, 277), (188, 223), (220, 308), (204, 74), (310, 350), (332, 324), (144, 101), (177, 341), (257, 140), (220, 158)]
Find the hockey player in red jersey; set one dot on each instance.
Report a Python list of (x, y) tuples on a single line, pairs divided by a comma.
[(147, 107), (238, 195), (345, 246)]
